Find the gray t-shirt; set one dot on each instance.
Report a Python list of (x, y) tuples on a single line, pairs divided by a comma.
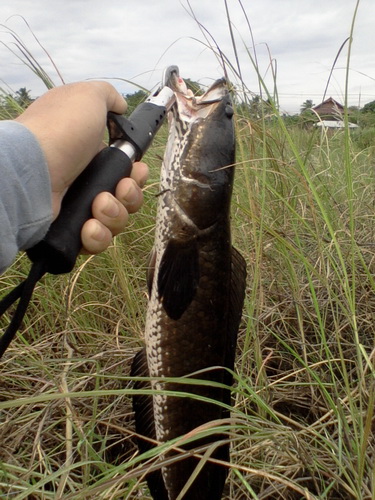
[(25, 193)]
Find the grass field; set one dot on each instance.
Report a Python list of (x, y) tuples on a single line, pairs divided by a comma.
[(302, 425)]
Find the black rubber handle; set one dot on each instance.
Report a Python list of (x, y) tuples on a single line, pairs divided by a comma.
[(62, 244)]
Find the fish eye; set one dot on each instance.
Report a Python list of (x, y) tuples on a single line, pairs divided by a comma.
[(229, 111)]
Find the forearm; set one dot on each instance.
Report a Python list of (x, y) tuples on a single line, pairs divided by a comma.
[(25, 193)]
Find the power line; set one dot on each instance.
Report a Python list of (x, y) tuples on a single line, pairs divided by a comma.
[(355, 94)]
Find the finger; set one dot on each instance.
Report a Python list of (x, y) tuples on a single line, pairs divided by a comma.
[(95, 237), (140, 173), (129, 194), (110, 212), (115, 102)]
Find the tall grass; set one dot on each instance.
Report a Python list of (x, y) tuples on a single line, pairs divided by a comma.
[(309, 339), (302, 424)]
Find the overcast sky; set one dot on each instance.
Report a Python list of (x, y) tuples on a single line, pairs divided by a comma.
[(135, 39)]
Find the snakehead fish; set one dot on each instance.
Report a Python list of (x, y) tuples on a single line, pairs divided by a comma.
[(196, 292)]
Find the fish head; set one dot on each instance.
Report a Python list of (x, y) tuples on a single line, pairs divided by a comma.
[(201, 151)]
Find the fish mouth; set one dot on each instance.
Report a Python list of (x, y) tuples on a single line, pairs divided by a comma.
[(191, 107)]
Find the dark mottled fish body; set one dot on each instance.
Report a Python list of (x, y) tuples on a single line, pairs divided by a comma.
[(196, 285)]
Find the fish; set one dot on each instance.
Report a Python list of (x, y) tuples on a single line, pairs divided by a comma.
[(196, 283)]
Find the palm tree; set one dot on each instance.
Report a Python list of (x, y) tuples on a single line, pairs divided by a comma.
[(308, 104), (23, 97)]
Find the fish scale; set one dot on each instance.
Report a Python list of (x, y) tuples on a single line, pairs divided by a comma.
[(197, 284)]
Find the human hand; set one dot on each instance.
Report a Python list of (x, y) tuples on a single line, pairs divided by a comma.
[(111, 212), (69, 123)]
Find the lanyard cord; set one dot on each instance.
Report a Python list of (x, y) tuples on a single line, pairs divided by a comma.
[(23, 292)]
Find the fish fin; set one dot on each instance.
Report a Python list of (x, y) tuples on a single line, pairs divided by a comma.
[(142, 404), (144, 423), (178, 276), (237, 297)]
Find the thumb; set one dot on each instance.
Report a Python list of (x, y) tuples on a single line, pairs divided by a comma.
[(114, 101)]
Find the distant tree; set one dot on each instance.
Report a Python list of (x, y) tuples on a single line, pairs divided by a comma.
[(135, 99), (308, 104), (255, 109), (193, 86), (354, 109), (260, 108), (369, 107), (23, 97), (354, 113), (291, 120), (11, 105), (366, 115)]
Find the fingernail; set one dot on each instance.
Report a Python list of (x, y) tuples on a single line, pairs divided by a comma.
[(112, 209), (99, 233), (132, 197)]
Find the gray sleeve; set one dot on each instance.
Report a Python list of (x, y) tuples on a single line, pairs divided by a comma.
[(25, 193)]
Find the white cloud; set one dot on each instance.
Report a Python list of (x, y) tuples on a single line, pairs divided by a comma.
[(135, 39)]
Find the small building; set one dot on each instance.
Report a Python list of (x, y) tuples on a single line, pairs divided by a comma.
[(329, 110), (334, 124), (331, 114)]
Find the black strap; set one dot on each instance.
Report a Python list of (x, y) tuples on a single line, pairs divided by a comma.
[(22, 292), (12, 296)]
